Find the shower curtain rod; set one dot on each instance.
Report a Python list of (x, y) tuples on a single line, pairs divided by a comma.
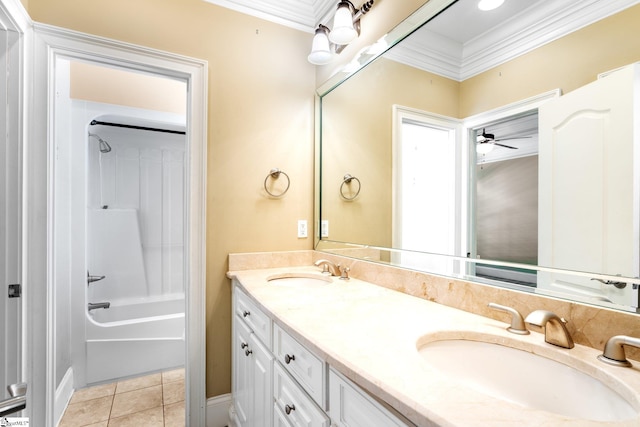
[(120, 125)]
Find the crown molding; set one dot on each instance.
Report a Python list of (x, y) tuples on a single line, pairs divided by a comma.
[(519, 35), (303, 16)]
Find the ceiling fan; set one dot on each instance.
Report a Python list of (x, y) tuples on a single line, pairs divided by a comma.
[(487, 142)]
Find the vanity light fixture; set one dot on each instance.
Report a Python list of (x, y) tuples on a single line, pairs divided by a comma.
[(346, 28), (486, 5)]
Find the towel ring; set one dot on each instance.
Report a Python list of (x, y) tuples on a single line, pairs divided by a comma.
[(347, 180), (275, 174)]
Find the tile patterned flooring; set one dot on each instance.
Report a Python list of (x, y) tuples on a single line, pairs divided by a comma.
[(155, 400)]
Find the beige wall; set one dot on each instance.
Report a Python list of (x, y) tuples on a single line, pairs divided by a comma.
[(98, 83), (356, 136), (568, 64), (260, 117)]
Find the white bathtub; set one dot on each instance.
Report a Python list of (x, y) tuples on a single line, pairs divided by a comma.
[(132, 338)]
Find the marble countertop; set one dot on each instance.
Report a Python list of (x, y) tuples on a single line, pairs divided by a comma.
[(371, 335)]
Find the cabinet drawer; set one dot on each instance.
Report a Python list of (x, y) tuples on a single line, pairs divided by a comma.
[(255, 318), (292, 403), (352, 407), (308, 369)]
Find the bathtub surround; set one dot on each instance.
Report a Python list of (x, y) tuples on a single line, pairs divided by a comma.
[(590, 326)]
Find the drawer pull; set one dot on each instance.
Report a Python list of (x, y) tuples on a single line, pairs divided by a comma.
[(247, 352), (288, 359), (288, 409), (244, 345), (245, 314)]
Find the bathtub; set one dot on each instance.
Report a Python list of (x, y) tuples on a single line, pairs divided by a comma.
[(135, 337)]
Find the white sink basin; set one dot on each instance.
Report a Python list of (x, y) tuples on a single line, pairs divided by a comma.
[(526, 379), (299, 279)]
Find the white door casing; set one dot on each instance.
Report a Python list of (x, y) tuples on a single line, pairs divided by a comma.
[(51, 43), (589, 209)]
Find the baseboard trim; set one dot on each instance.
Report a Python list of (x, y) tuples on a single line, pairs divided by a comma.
[(218, 411), (63, 395)]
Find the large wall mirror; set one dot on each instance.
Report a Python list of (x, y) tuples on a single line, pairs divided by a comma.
[(501, 146)]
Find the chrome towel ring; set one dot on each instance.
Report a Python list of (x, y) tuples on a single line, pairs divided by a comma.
[(275, 174), (347, 180)]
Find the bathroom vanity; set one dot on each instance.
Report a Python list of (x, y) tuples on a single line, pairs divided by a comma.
[(314, 350)]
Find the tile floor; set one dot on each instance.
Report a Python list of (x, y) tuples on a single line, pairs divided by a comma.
[(148, 401)]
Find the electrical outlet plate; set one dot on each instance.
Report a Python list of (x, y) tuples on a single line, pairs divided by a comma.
[(302, 228), (324, 228)]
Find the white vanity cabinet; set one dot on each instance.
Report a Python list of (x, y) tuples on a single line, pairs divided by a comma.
[(252, 381), (279, 382)]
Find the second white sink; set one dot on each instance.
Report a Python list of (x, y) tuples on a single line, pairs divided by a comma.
[(527, 379)]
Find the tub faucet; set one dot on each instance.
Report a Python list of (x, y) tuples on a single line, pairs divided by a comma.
[(614, 354), (91, 279), (94, 305), (555, 331), (328, 267)]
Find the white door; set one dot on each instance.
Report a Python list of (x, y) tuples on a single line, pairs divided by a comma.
[(589, 187), (10, 231), (425, 209)]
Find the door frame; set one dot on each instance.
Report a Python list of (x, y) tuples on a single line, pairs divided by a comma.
[(50, 43), (14, 24)]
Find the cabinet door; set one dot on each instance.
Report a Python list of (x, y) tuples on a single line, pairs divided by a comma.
[(242, 377), (262, 383), (299, 409), (256, 319), (302, 364), (351, 407)]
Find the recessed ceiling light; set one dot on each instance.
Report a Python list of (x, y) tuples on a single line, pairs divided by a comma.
[(489, 4)]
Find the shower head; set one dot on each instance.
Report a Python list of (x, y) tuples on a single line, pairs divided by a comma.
[(102, 144)]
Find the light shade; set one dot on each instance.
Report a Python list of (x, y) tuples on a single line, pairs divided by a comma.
[(343, 31), (489, 4), (484, 147), (320, 48)]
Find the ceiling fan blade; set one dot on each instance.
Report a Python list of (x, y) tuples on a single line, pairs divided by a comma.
[(506, 146), (514, 137)]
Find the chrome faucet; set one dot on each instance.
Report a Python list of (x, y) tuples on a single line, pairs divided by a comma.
[(555, 331), (94, 305), (517, 322), (613, 353), (328, 267)]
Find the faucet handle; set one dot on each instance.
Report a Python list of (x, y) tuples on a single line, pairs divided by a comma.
[(344, 272), (614, 354), (517, 322)]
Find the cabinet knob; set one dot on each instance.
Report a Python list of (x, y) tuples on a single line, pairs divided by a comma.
[(288, 359), (245, 314), (244, 345), (288, 409), (247, 352)]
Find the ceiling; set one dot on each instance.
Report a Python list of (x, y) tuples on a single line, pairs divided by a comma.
[(461, 42), (304, 15)]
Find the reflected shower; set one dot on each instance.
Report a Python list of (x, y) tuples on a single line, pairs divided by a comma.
[(102, 144)]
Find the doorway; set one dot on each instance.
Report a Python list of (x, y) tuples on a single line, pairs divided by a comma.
[(52, 47)]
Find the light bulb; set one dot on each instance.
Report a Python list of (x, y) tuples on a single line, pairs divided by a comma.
[(489, 4), (484, 147), (343, 32), (320, 48)]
